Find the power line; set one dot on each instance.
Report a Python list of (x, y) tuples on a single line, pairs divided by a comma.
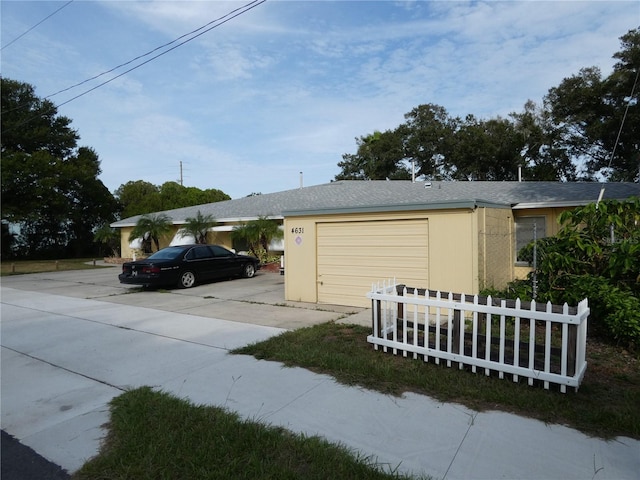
[(41, 21), (160, 48), (211, 25), (222, 20)]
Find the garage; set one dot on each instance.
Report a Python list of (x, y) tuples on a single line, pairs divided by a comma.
[(351, 256)]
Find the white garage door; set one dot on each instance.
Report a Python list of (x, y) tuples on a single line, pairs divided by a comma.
[(353, 255)]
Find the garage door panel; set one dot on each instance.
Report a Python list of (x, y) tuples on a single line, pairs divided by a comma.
[(338, 267), (373, 240), (372, 227), (362, 256), (351, 256), (363, 284)]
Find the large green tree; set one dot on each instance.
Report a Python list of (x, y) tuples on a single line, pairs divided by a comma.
[(140, 197), (486, 150), (428, 138), (599, 117), (50, 187), (543, 154), (587, 127), (379, 156)]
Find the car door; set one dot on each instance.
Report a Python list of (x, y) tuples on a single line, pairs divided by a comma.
[(224, 261), (200, 260)]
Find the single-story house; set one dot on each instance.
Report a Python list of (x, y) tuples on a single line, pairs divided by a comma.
[(343, 236)]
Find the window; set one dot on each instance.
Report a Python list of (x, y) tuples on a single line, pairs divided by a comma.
[(220, 251), (525, 227)]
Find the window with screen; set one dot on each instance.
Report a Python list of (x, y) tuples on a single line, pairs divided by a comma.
[(525, 227)]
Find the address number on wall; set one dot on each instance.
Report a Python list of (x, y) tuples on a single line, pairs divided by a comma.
[(297, 230)]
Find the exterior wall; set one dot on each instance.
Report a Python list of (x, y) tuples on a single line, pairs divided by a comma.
[(451, 240), (219, 238), (453, 251), (300, 259), (125, 250), (496, 243)]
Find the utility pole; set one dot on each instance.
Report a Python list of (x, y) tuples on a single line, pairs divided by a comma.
[(181, 183)]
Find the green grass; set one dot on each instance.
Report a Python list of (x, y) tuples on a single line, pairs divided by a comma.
[(606, 405), (20, 267), (153, 435)]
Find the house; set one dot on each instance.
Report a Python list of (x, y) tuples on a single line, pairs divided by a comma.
[(343, 236)]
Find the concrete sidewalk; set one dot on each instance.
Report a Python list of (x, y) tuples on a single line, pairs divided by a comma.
[(65, 358)]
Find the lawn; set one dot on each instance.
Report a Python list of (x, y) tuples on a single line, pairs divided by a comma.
[(19, 267), (606, 405), (153, 435)]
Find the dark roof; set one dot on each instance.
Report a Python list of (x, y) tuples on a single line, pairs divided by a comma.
[(363, 196)]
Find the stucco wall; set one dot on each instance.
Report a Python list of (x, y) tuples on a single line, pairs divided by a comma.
[(219, 238), (453, 251), (496, 243), (300, 259)]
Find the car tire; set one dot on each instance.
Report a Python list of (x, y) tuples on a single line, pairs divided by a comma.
[(248, 270), (187, 279)]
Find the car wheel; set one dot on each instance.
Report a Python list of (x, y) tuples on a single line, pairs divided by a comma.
[(187, 279), (249, 270)]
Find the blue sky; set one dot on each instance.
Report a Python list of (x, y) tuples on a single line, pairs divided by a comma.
[(287, 86)]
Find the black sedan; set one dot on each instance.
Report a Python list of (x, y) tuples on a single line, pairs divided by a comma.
[(185, 265)]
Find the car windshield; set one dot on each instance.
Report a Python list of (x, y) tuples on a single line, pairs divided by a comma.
[(169, 253)]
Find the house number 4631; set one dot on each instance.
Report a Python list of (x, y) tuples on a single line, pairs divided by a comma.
[(297, 230)]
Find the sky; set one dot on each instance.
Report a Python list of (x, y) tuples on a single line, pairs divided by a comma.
[(272, 98)]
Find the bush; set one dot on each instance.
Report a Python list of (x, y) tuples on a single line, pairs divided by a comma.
[(596, 254)]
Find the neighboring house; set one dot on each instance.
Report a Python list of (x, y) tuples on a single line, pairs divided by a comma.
[(343, 236)]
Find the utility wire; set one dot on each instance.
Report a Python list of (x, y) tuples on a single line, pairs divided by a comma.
[(154, 50), (615, 145), (211, 25), (237, 13), (41, 21)]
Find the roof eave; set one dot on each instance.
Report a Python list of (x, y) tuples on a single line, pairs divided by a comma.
[(445, 205)]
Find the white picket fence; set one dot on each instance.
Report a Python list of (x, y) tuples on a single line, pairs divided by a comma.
[(542, 342)]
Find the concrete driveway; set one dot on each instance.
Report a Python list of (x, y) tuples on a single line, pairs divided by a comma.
[(258, 300)]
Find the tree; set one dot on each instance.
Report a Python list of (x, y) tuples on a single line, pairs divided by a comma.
[(268, 230), (428, 137), (198, 226), (109, 238), (543, 155), (140, 197), (587, 128), (379, 157), (486, 150), (50, 187), (247, 234), (151, 227), (599, 118), (8, 240), (257, 235)]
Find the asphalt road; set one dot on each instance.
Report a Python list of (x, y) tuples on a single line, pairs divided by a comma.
[(19, 462)]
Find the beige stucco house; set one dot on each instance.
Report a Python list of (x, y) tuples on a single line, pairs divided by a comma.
[(343, 236)]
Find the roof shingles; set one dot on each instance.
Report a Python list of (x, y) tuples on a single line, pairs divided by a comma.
[(370, 195)]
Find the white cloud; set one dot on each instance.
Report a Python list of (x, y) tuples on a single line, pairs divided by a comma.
[(287, 86)]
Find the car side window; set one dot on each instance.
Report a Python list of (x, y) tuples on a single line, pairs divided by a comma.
[(202, 252), (191, 254), (220, 251)]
